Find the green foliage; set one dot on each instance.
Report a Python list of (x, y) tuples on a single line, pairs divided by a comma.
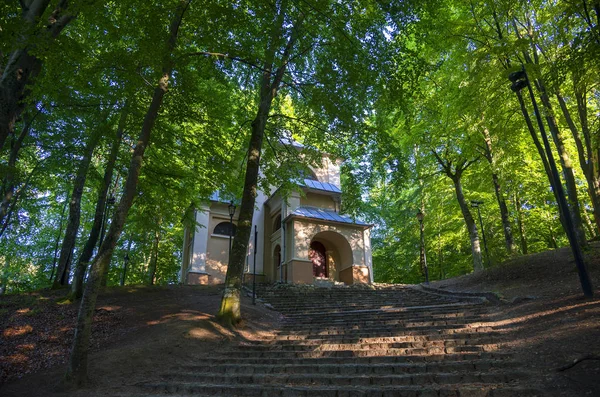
[(378, 85)]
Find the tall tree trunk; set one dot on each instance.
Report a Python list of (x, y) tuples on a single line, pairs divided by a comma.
[(520, 225), (4, 276), (230, 312), (126, 263), (566, 163), (22, 67), (506, 226), (589, 225), (470, 223), (78, 362), (88, 249), (153, 259), (454, 171), (8, 183), (60, 228), (588, 148), (68, 245), (541, 151)]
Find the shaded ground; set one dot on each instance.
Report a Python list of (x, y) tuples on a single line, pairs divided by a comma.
[(548, 322), (140, 331)]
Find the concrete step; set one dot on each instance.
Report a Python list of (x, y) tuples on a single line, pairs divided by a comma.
[(349, 305), (354, 368), (389, 320), (388, 313), (357, 379), (349, 353), (385, 330), (466, 390), (291, 359), (410, 337), (369, 345)]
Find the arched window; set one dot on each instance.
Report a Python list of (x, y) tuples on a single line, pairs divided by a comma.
[(225, 229), (277, 223), (308, 174)]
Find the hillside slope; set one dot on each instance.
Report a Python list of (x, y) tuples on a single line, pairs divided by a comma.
[(547, 321)]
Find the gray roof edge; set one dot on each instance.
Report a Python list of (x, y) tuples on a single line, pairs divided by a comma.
[(345, 219)]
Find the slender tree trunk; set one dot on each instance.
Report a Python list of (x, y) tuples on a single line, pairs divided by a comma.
[(441, 257), (553, 243), (22, 67), (506, 226), (78, 362), (153, 259), (230, 312), (88, 249), (126, 263), (13, 204), (4, 276), (566, 163), (8, 183), (520, 225), (68, 245), (470, 223), (588, 224), (60, 228), (588, 157), (567, 167)]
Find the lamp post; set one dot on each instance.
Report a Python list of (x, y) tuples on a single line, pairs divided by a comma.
[(125, 263), (254, 271), (110, 201), (423, 258), (231, 208), (519, 81), (476, 204)]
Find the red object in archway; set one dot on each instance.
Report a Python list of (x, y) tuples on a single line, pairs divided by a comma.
[(318, 257)]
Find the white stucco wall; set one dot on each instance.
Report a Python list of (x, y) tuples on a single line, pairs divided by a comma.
[(198, 261)]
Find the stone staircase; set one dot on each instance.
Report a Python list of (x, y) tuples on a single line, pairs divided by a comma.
[(392, 341)]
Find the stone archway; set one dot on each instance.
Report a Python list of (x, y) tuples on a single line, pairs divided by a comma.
[(318, 256), (277, 263), (337, 254)]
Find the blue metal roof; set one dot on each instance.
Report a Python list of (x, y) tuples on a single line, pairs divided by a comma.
[(312, 184), (325, 215)]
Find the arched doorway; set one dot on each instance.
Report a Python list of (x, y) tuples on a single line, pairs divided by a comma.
[(277, 263), (338, 254), (318, 256)]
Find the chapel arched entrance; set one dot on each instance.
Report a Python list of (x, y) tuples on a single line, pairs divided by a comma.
[(277, 263), (318, 256), (330, 253)]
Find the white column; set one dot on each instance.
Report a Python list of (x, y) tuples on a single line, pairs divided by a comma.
[(198, 262), (368, 253)]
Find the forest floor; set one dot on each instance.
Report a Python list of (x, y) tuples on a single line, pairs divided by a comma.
[(140, 331), (548, 323)]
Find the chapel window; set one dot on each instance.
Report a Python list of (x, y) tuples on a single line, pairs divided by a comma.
[(225, 229)]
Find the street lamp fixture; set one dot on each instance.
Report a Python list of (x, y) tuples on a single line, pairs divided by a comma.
[(423, 258), (231, 209), (420, 216), (476, 204), (519, 81)]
